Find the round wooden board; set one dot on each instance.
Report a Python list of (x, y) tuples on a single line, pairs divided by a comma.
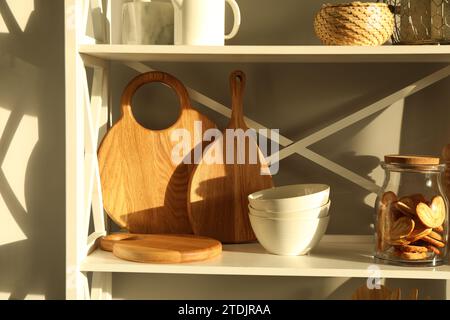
[(160, 248), (107, 243), (144, 187)]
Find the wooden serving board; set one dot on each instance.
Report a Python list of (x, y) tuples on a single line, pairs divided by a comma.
[(144, 190), (159, 248), (107, 243), (218, 192)]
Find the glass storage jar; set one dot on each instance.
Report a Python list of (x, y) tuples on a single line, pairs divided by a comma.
[(411, 217), (421, 21)]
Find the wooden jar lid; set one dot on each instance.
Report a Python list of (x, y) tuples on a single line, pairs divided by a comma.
[(411, 159)]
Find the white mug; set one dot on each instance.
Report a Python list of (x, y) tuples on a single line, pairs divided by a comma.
[(202, 22)]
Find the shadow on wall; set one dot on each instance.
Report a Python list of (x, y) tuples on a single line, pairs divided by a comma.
[(32, 198)]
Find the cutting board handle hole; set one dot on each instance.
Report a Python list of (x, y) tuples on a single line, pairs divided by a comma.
[(156, 106)]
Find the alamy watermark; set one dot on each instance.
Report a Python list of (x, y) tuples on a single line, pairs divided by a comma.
[(240, 147), (374, 279)]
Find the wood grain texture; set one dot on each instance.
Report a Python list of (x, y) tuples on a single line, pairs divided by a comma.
[(217, 199), (144, 191), (107, 242), (162, 248), (411, 159)]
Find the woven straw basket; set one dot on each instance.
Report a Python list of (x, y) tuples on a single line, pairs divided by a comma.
[(355, 23)]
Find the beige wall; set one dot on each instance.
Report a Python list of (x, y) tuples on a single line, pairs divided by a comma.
[(32, 149), (297, 98)]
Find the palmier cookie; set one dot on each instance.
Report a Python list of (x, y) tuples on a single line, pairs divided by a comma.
[(436, 236), (413, 255), (401, 228), (406, 206), (432, 216), (385, 217), (419, 232), (434, 242), (411, 248), (388, 197), (433, 249)]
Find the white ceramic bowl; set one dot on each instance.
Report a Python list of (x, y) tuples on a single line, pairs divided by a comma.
[(319, 212), (290, 198), (289, 237)]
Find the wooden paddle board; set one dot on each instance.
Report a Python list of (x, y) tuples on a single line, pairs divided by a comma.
[(217, 199)]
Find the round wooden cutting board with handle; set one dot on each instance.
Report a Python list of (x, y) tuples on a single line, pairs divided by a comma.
[(218, 192), (144, 189), (161, 248)]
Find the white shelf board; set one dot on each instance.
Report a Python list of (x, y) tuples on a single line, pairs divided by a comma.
[(336, 256), (322, 54)]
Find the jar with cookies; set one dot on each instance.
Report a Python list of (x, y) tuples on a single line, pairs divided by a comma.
[(411, 212)]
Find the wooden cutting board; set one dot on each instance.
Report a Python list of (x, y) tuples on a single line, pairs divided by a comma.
[(107, 243), (144, 190), (158, 248), (217, 203)]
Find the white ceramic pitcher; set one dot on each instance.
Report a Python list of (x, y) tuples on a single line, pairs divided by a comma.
[(202, 22)]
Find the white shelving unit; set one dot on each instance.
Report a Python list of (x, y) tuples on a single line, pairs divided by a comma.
[(87, 118), (336, 256), (304, 54)]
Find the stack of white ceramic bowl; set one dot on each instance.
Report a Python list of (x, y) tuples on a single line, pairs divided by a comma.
[(290, 220)]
